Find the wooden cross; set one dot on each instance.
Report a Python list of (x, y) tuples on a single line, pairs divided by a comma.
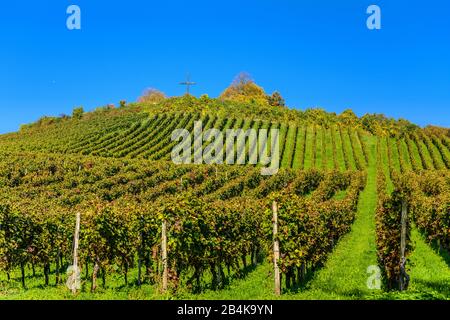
[(188, 83)]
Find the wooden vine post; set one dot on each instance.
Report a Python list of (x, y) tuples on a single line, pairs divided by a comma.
[(73, 282), (404, 278), (164, 255), (276, 250), (140, 261)]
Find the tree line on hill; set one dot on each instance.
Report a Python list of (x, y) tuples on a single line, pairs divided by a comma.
[(245, 98)]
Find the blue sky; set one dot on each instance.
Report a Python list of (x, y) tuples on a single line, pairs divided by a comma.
[(316, 53)]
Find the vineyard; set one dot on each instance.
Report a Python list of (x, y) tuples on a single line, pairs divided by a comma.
[(409, 199), (345, 199), (301, 146), (216, 218)]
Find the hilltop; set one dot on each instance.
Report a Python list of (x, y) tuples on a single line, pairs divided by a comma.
[(244, 104)]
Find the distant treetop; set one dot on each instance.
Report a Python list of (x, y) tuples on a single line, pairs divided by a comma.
[(243, 89), (152, 96)]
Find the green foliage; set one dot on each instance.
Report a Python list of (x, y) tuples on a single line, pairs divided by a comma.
[(276, 100), (427, 197), (309, 228), (389, 226), (215, 219), (245, 90), (379, 124), (348, 117), (77, 113), (430, 206)]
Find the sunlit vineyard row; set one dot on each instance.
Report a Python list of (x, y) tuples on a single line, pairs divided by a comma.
[(302, 146)]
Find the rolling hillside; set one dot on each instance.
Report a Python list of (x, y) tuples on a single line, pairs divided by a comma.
[(114, 166), (304, 143)]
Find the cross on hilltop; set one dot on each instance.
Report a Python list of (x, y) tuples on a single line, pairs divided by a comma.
[(188, 83)]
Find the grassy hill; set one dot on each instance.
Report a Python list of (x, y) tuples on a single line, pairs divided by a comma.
[(113, 165)]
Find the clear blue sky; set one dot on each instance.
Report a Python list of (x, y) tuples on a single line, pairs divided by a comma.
[(316, 53)]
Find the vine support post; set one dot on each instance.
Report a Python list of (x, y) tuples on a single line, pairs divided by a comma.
[(140, 260), (75, 253), (404, 278), (276, 250), (164, 255)]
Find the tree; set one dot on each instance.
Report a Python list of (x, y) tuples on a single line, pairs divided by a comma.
[(243, 89), (242, 79), (77, 113), (318, 116), (152, 96), (276, 100), (374, 123), (348, 117), (438, 131)]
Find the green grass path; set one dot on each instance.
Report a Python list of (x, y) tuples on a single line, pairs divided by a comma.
[(344, 275), (429, 273)]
